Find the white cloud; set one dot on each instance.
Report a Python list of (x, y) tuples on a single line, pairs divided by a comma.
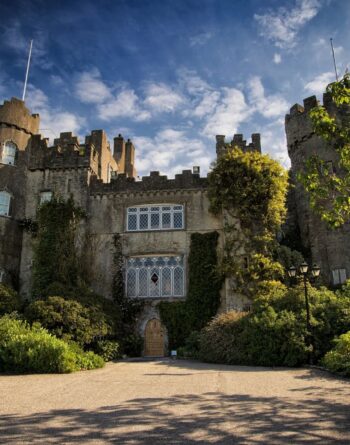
[(89, 88), (124, 104), (170, 151), (277, 58), (268, 106), (53, 121), (231, 110), (192, 83), (282, 26), (200, 39), (207, 104), (161, 98), (319, 83)]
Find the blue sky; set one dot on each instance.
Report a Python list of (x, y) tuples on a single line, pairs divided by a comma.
[(171, 74)]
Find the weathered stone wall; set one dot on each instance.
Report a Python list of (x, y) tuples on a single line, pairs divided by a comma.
[(329, 248)]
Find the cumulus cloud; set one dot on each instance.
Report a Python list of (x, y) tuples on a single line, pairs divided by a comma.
[(170, 151), (53, 120), (125, 104), (268, 106), (230, 111), (89, 88), (319, 83), (282, 26), (162, 98)]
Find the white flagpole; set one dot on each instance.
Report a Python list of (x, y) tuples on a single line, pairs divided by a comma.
[(28, 63), (335, 65)]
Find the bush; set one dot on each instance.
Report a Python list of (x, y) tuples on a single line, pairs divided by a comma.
[(191, 347), (33, 349), (68, 319), (266, 339), (107, 349), (132, 345), (9, 300), (338, 359)]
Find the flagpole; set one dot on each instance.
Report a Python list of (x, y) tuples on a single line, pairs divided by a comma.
[(27, 72), (335, 65)]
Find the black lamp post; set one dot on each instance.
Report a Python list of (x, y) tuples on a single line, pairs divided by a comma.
[(303, 271)]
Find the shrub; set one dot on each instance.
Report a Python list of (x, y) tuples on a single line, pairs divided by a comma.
[(132, 345), (9, 300), (191, 347), (265, 339), (33, 349), (338, 359), (68, 319), (107, 349)]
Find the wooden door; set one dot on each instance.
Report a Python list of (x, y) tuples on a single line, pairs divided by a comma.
[(154, 339)]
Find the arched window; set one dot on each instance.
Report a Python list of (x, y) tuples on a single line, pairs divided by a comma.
[(9, 153), (5, 199)]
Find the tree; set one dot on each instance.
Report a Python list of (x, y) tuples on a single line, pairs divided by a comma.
[(250, 188), (330, 191)]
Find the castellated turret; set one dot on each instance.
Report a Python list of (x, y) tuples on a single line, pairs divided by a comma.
[(329, 248), (237, 141)]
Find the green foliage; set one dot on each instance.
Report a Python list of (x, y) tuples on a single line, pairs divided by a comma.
[(55, 255), (107, 349), (9, 300), (329, 191), (250, 189), (132, 345), (191, 346), (274, 333), (338, 359), (203, 298), (68, 319), (33, 349)]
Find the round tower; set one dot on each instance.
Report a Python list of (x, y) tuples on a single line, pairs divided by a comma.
[(17, 126)]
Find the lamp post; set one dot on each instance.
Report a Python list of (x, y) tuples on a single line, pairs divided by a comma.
[(303, 271)]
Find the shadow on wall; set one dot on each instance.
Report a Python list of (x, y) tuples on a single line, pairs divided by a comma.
[(187, 419)]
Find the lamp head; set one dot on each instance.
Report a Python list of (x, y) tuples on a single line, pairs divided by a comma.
[(292, 271), (315, 271), (303, 268)]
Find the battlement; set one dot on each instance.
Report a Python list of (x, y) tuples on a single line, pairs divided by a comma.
[(153, 182), (66, 152), (237, 141), (297, 123), (14, 113)]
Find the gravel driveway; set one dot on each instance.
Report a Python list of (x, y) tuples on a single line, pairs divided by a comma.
[(176, 402)]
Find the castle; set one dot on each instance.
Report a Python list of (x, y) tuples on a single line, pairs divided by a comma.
[(155, 216)]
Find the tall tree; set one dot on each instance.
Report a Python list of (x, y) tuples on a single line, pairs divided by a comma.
[(329, 190)]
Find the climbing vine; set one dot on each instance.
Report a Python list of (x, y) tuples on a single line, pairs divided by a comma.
[(249, 189), (203, 298), (55, 255)]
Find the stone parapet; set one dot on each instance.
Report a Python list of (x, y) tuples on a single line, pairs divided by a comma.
[(15, 114)]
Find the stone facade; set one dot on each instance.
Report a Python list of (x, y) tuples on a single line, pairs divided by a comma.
[(328, 248), (104, 184)]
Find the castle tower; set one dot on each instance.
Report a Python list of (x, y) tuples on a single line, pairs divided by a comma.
[(17, 127), (329, 248)]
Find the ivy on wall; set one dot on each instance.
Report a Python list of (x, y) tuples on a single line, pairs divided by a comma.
[(203, 298), (55, 254)]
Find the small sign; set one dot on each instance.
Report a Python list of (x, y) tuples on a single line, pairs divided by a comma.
[(173, 354)]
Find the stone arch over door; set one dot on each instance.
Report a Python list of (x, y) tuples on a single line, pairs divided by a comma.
[(154, 339)]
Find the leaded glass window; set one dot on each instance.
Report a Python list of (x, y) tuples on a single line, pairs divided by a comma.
[(164, 217), (153, 277), (9, 153)]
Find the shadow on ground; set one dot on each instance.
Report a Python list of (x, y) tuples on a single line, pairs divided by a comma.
[(209, 418)]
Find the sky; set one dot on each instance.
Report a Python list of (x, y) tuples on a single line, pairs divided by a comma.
[(171, 74)]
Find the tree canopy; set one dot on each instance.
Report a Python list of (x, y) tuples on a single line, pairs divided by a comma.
[(329, 190)]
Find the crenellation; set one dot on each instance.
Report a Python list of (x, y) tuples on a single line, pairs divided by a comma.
[(238, 141)]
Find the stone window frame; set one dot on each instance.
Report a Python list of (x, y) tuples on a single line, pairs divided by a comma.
[(6, 156), (339, 276), (155, 264), (5, 207), (45, 196), (142, 213)]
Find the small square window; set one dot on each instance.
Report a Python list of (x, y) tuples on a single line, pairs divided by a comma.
[(45, 197), (339, 276)]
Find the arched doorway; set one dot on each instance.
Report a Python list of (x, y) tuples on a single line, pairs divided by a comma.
[(154, 339)]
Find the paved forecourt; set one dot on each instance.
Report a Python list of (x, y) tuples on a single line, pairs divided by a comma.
[(175, 402)]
